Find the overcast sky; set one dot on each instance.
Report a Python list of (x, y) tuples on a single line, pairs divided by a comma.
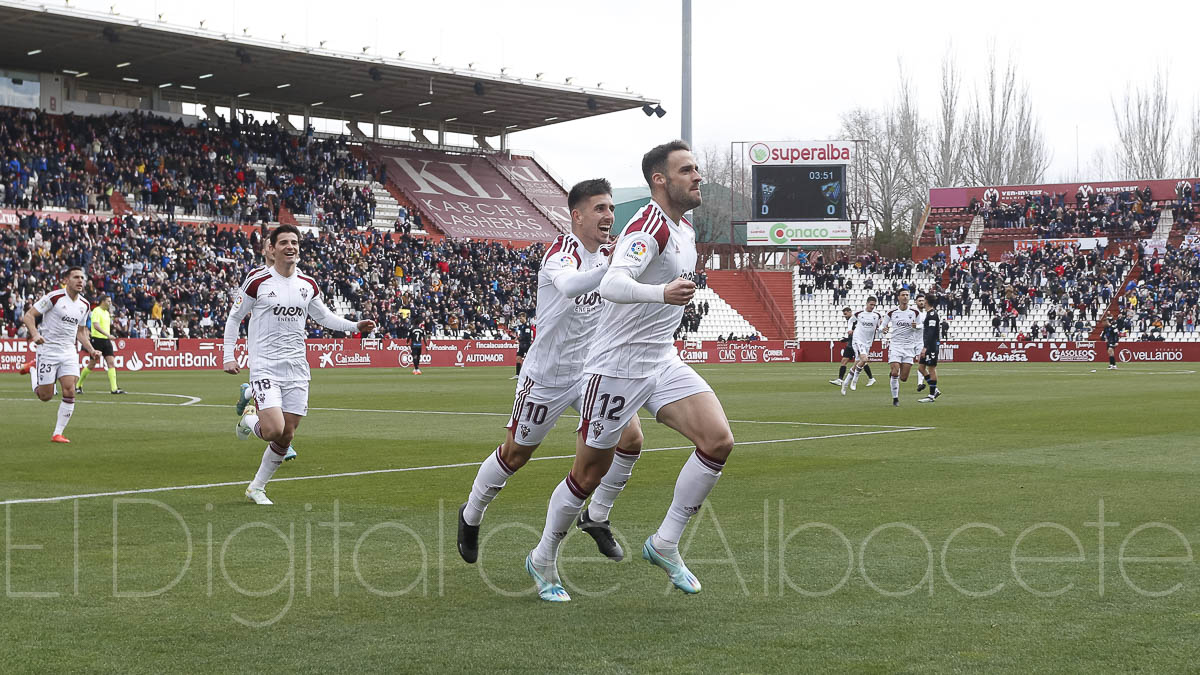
[(762, 70)]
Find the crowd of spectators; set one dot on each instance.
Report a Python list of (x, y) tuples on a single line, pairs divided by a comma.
[(1077, 284), (1127, 214), (172, 280), (240, 172), (1165, 296)]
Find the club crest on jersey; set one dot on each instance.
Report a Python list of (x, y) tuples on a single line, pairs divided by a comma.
[(597, 429), (524, 431), (304, 293)]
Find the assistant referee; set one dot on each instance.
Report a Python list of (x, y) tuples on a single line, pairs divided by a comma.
[(102, 339)]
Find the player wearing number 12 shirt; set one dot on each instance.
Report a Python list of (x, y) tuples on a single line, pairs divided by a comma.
[(633, 363), (568, 308)]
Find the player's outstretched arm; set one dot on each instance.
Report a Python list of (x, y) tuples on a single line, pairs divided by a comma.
[(233, 323), (571, 282), (321, 314)]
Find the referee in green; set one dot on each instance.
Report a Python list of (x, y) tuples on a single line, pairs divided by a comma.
[(102, 339)]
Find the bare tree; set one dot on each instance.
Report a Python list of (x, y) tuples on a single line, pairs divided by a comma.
[(712, 219), (884, 168), (1189, 152), (1004, 144), (1145, 123), (913, 142), (946, 156)]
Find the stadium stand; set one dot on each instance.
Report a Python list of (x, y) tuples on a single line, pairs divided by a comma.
[(1162, 303), (173, 280), (1052, 292), (1053, 211)]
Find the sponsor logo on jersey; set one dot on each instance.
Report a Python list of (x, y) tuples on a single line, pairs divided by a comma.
[(280, 310), (271, 294)]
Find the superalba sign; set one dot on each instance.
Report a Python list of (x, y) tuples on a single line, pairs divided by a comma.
[(767, 153)]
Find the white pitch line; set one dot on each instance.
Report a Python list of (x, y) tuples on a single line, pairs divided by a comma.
[(349, 474), (192, 404)]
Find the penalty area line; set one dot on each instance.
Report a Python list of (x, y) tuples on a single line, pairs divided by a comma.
[(372, 472)]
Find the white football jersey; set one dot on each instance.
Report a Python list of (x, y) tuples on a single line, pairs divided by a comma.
[(634, 340), (566, 324), (865, 325), (279, 308), (61, 319), (905, 326)]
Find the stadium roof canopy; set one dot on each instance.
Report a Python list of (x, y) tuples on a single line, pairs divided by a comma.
[(129, 55)]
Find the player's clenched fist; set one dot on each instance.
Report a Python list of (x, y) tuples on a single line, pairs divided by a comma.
[(366, 326), (231, 367), (679, 292)]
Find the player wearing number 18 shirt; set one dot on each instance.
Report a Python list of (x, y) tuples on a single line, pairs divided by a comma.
[(633, 363), (568, 310), (279, 299)]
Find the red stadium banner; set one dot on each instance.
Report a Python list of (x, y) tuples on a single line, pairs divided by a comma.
[(187, 354), (1160, 190), (467, 197)]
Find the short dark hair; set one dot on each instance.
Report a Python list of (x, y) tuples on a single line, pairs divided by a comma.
[(588, 188), (283, 229), (655, 161), (67, 272), (872, 299), (847, 309)]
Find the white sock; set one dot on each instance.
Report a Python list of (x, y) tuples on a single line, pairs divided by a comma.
[(251, 420), (895, 381), (920, 378), (492, 476), (611, 485), (271, 460), (565, 504), (696, 479), (65, 409)]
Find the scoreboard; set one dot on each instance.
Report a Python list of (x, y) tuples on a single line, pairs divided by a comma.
[(799, 193), (812, 192)]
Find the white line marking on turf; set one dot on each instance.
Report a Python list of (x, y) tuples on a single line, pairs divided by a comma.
[(193, 404), (349, 474)]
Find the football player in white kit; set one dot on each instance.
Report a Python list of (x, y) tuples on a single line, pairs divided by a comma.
[(904, 323), (568, 311), (63, 312), (866, 323), (279, 300), (633, 363)]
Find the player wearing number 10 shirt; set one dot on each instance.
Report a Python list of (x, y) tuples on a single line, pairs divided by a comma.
[(633, 363), (568, 309)]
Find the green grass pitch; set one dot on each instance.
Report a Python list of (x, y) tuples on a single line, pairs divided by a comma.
[(1037, 518)]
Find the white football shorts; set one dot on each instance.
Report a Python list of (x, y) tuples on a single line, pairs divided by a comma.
[(609, 403), (290, 395), (536, 409)]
